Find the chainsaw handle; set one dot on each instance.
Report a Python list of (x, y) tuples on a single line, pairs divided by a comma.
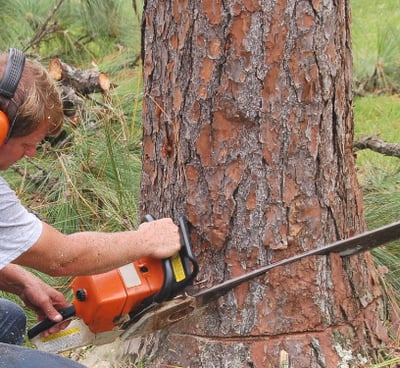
[(67, 313), (187, 252), (188, 261)]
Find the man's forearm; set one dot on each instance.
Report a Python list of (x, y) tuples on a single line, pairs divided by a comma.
[(87, 253), (13, 279), (34, 293)]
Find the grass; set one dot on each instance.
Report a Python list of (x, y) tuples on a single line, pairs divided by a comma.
[(92, 182), (377, 115), (376, 42), (388, 363)]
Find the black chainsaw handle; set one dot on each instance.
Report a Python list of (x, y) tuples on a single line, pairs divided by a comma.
[(67, 313), (189, 259), (189, 262)]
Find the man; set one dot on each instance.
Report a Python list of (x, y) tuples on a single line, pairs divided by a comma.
[(31, 109)]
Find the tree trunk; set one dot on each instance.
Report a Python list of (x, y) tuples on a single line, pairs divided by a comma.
[(248, 131)]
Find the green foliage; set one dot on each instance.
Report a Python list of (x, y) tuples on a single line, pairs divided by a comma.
[(377, 116), (89, 178), (389, 363), (377, 49), (92, 182), (78, 31), (376, 45)]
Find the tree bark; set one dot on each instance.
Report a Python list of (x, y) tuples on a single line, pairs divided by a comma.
[(248, 131)]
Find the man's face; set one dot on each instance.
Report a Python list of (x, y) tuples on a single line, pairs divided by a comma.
[(16, 148)]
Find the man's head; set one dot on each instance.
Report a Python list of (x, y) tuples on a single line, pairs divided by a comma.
[(34, 111)]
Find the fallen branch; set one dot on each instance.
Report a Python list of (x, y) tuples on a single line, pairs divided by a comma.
[(75, 84), (378, 145), (82, 81)]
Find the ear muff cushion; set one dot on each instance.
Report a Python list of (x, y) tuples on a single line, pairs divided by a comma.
[(4, 127)]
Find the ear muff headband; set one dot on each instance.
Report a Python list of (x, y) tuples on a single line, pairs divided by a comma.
[(12, 74), (8, 86)]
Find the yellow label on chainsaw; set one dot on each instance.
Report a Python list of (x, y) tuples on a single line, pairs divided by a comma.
[(177, 267), (62, 333)]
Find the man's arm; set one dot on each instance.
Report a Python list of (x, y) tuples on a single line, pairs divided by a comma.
[(87, 253), (36, 294)]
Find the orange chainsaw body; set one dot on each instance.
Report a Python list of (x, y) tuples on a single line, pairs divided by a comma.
[(103, 300), (111, 301)]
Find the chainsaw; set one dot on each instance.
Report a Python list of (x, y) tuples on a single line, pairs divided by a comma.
[(149, 295), (104, 304)]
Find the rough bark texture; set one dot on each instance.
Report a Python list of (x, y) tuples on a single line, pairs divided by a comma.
[(248, 131)]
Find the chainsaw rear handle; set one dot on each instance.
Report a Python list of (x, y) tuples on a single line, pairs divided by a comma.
[(186, 259), (67, 313)]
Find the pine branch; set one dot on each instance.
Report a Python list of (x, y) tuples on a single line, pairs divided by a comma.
[(45, 29), (378, 145)]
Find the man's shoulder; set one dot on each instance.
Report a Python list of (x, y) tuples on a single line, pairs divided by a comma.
[(3, 184)]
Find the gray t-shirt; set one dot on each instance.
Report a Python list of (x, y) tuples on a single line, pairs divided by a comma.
[(19, 229)]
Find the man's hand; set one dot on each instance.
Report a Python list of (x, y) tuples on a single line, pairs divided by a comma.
[(35, 293), (46, 302), (162, 237)]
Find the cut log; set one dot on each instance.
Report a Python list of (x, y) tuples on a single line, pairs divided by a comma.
[(75, 84), (83, 82)]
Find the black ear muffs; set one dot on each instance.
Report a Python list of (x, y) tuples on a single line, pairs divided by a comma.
[(8, 86)]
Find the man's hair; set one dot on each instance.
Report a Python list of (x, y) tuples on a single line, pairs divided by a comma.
[(36, 100)]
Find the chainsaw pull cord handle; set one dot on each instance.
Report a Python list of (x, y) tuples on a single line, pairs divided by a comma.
[(67, 313)]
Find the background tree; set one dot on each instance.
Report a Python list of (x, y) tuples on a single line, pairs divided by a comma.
[(248, 130)]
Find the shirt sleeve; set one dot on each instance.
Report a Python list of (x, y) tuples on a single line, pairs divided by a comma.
[(19, 229)]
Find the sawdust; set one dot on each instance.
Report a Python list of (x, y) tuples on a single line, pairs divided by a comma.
[(103, 356)]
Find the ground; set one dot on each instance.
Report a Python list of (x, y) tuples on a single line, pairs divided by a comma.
[(103, 356)]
